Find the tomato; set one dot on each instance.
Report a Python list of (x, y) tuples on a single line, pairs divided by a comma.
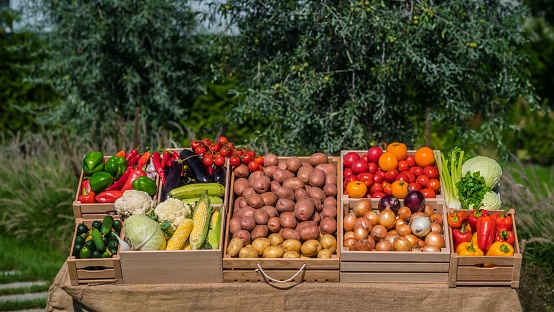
[(403, 166), (434, 184), (349, 179), (234, 161), (364, 157), (411, 175), (200, 150), (219, 161), (253, 166), (403, 177), (428, 193), (378, 195), (424, 157), (376, 188), (415, 187), (359, 166), (417, 170), (400, 189), (347, 172), (349, 159), (214, 147), (398, 149), (388, 161), (374, 153), (208, 160), (378, 177), (246, 158), (411, 160), (222, 140), (372, 167), (207, 141), (422, 180), (224, 152), (194, 144), (259, 159), (390, 175), (251, 153), (387, 188), (367, 178), (356, 189), (431, 171)]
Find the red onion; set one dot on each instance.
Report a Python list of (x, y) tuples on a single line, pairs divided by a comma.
[(415, 201), (389, 201)]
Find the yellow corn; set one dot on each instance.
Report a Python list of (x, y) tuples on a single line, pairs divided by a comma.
[(187, 245), (181, 235), (201, 221)]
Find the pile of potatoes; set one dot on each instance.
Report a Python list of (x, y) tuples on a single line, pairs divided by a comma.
[(286, 210)]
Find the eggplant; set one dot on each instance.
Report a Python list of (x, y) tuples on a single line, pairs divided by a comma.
[(220, 175), (173, 179), (196, 166)]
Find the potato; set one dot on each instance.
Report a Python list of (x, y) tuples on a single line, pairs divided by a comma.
[(234, 224), (240, 185), (261, 184), (304, 174), (330, 201), (248, 252), (293, 183), (317, 158), (269, 171), (315, 192), (310, 248), (318, 205), (253, 176), (331, 178), (275, 239), (306, 164), (291, 254), (327, 168), (293, 163), (284, 204), (269, 198), (260, 231), (235, 244), (274, 224), (325, 253), (260, 244), (273, 252), (303, 224), (271, 160), (316, 217), (244, 235), (330, 190), (284, 192), (287, 220), (240, 202), (247, 223), (241, 171), (261, 216), (317, 178), (274, 186), (304, 209), (290, 234), (281, 175), (282, 164), (291, 245), (244, 212), (328, 226), (328, 241), (248, 191), (254, 200), (329, 211), (271, 211), (300, 193), (309, 232)]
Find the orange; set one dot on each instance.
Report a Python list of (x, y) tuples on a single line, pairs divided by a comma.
[(388, 161), (424, 157), (356, 189), (398, 149)]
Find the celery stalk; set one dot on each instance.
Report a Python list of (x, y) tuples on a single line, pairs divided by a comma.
[(450, 177)]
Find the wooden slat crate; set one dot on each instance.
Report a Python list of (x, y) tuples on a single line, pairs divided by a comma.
[(292, 270), (93, 271), (395, 266), (469, 271)]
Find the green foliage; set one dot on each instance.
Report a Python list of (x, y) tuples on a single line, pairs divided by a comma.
[(338, 75)]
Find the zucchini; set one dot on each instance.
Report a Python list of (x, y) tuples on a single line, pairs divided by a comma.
[(197, 189), (214, 200), (106, 225), (194, 163), (97, 239)]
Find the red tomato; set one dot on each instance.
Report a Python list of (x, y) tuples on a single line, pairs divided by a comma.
[(208, 160), (246, 158), (234, 161), (251, 153), (222, 140), (411, 160), (387, 188), (349, 179), (428, 193), (422, 180), (359, 166), (378, 177), (403, 165), (253, 165), (207, 141), (349, 159), (410, 175), (259, 159), (194, 144), (434, 184), (402, 177), (372, 167), (200, 150), (364, 157), (219, 161), (376, 188), (416, 170), (214, 147), (378, 195), (367, 178), (224, 152), (374, 153), (431, 171), (347, 172), (415, 187), (390, 175)]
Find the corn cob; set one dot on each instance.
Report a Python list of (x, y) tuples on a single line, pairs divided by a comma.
[(187, 245), (201, 219), (215, 229), (181, 235)]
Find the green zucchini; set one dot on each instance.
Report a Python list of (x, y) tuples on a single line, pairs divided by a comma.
[(106, 225), (97, 239), (197, 189)]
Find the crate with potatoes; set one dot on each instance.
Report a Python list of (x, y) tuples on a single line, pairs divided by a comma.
[(282, 221)]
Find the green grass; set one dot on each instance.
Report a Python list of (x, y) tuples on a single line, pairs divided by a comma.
[(539, 179), (24, 290), (23, 305)]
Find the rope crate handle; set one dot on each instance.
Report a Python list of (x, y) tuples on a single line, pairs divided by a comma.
[(259, 269)]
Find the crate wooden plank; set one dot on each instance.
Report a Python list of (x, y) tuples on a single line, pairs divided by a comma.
[(97, 281), (321, 276), (252, 263), (393, 267), (469, 273), (391, 277)]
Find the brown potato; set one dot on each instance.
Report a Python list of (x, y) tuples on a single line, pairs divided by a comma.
[(331, 178), (329, 211), (271, 160), (330, 201), (303, 224), (310, 248), (234, 247), (291, 245), (330, 190), (316, 217), (282, 164), (244, 212), (327, 168), (287, 220), (304, 209), (293, 183), (291, 254), (300, 193), (234, 225), (293, 163), (328, 225), (325, 254), (284, 204), (315, 192), (317, 178), (274, 224), (261, 216), (284, 192), (253, 176), (309, 232), (260, 231), (240, 185), (275, 239), (274, 186), (248, 252), (304, 174), (247, 223), (241, 171), (273, 252), (247, 191), (244, 235), (240, 202), (290, 234), (269, 171), (255, 200), (317, 158), (269, 198), (271, 211), (281, 175), (261, 184)]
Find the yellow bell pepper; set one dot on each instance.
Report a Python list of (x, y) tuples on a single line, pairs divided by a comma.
[(502, 249), (468, 249)]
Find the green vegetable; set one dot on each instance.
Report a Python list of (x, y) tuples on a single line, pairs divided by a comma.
[(100, 181), (214, 232), (85, 253), (487, 167), (471, 190), (106, 225), (145, 184), (93, 162), (450, 174), (143, 233), (116, 166), (97, 239), (491, 201)]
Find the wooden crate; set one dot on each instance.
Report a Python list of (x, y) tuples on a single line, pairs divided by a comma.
[(93, 271), (278, 270), (469, 271), (395, 266), (174, 266)]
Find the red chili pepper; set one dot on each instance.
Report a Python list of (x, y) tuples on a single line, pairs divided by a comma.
[(135, 173), (121, 153), (132, 154), (121, 181), (157, 161), (143, 160), (503, 221), (133, 160), (165, 158), (506, 236), (108, 196), (486, 232), (457, 219), (170, 161), (474, 216), (463, 234), (175, 155)]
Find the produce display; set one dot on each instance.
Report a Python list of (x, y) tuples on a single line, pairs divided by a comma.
[(286, 210), (99, 241), (393, 226), (394, 171)]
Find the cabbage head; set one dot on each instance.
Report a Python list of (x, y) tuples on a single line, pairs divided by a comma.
[(491, 201), (487, 167), (143, 233)]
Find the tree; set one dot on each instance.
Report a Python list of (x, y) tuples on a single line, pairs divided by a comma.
[(332, 75)]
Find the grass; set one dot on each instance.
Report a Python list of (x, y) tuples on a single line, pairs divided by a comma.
[(539, 178), (24, 290), (23, 305)]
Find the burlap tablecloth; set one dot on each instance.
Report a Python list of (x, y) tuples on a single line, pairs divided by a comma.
[(277, 297)]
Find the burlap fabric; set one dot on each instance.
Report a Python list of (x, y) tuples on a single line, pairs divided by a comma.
[(277, 297)]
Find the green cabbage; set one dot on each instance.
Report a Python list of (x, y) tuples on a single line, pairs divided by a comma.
[(491, 201), (487, 167), (143, 233)]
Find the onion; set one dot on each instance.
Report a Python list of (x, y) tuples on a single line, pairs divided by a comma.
[(363, 221), (434, 239), (389, 201), (436, 218), (429, 210), (412, 238), (404, 229), (348, 234), (371, 242), (348, 221), (391, 238), (383, 246), (402, 244), (349, 243), (360, 233), (417, 215), (362, 245), (415, 201), (430, 249), (399, 222), (387, 218), (421, 226), (437, 228), (373, 217), (404, 213), (378, 232), (361, 207)]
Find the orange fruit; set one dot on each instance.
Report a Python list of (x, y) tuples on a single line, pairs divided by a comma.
[(398, 149), (388, 161), (424, 157)]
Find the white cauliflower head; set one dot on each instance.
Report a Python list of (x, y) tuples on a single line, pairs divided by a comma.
[(135, 202), (173, 210)]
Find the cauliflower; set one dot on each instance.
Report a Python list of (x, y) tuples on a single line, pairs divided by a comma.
[(134, 202), (174, 211)]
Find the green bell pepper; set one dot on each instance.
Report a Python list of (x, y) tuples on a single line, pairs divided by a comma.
[(116, 166), (100, 181), (145, 184), (93, 162)]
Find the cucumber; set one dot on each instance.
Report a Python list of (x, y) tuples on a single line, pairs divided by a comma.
[(197, 189), (213, 200), (106, 225), (98, 242)]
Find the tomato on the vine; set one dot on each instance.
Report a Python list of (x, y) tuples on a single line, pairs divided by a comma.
[(208, 160), (194, 144), (222, 140), (259, 159), (234, 161), (207, 141), (224, 152), (200, 150), (400, 189), (219, 161), (253, 165), (246, 158), (214, 147), (356, 189)]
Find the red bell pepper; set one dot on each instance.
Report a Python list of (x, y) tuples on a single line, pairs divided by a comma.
[(457, 219), (486, 232), (87, 195), (506, 236), (122, 180), (463, 234), (135, 173), (474, 216), (108, 196), (503, 221)]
